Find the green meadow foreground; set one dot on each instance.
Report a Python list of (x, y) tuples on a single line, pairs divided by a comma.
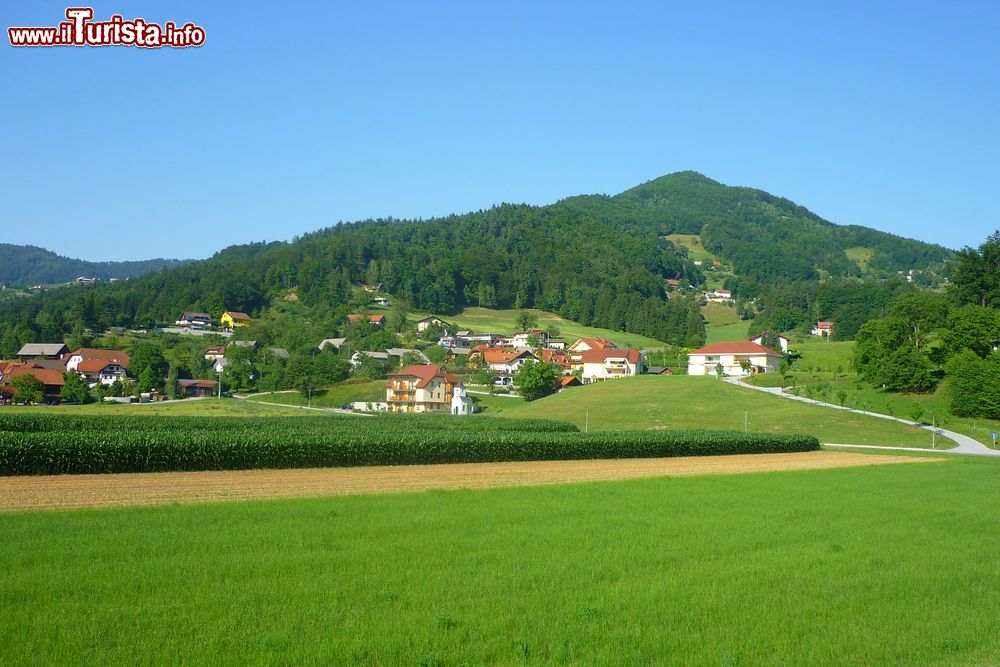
[(682, 402), (872, 565)]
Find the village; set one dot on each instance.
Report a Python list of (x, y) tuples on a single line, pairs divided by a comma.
[(437, 375)]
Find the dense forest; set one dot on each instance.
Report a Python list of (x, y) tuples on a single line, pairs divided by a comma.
[(923, 338), (30, 265), (767, 239), (595, 259)]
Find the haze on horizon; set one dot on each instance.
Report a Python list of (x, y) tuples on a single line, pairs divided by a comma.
[(283, 124)]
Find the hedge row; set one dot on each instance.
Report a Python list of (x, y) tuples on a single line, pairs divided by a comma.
[(286, 426), (41, 453)]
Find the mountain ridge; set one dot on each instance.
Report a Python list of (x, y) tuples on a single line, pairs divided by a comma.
[(31, 264)]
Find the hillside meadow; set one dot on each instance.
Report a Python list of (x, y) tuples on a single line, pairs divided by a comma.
[(682, 402), (872, 565)]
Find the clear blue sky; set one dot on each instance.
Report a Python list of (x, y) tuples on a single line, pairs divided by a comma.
[(294, 116)]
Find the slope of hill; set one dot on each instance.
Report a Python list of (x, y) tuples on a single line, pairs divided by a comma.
[(766, 238), (29, 265), (681, 401), (600, 261)]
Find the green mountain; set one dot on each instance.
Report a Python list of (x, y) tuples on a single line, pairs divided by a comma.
[(598, 260), (766, 239), (30, 265)]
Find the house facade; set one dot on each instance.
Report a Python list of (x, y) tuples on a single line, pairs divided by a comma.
[(822, 328), (233, 319), (195, 320), (606, 364), (719, 296), (98, 367), (506, 363), (423, 324), (731, 356), (425, 388), (198, 388)]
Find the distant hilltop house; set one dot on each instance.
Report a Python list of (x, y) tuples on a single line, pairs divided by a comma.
[(426, 388), (195, 320), (98, 367), (35, 351), (782, 341), (374, 320), (377, 287), (233, 319), (52, 379), (380, 301), (85, 280), (759, 359), (719, 296), (422, 325), (214, 352), (822, 328), (358, 357), (606, 363)]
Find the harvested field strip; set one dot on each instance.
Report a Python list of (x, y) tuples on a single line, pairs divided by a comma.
[(119, 490)]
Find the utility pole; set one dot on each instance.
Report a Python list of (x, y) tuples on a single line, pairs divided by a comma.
[(220, 385), (933, 431), (744, 421), (586, 423)]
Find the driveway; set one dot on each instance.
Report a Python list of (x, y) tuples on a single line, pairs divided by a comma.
[(963, 443)]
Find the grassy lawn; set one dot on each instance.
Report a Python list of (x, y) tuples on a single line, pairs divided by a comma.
[(484, 320), (681, 401), (331, 397), (209, 407), (723, 324), (694, 246), (860, 255), (862, 566)]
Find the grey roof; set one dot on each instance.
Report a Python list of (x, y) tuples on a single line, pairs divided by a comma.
[(400, 351), (42, 349), (245, 343), (335, 342), (382, 356), (460, 350), (278, 352)]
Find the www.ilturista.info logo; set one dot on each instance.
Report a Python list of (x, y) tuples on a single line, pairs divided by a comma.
[(81, 30)]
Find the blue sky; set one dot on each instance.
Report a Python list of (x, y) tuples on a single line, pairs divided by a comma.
[(879, 114)]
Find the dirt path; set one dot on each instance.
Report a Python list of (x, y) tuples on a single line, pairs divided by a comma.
[(118, 490)]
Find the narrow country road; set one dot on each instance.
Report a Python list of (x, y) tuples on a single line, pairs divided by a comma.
[(964, 444)]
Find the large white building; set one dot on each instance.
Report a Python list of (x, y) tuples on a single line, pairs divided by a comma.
[(605, 364), (732, 356), (424, 388)]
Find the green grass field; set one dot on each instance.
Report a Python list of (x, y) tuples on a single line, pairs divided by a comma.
[(860, 255), (693, 244), (505, 322), (681, 401), (864, 566), (332, 397), (723, 324), (208, 407)]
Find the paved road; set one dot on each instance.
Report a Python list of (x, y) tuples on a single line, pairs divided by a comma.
[(963, 443)]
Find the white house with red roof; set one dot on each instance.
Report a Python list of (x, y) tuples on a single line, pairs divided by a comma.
[(606, 363), (98, 366), (426, 388), (705, 361), (822, 328)]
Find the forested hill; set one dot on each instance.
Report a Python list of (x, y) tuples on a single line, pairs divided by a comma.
[(30, 265), (601, 261), (766, 239)]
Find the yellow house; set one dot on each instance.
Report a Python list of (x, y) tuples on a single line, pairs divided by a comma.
[(232, 319)]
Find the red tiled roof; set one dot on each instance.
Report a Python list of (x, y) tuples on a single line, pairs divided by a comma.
[(425, 373), (597, 343), (200, 384), (597, 356), (371, 318), (736, 348), (93, 354), (95, 365), (824, 325), (566, 380), (553, 357), (46, 376)]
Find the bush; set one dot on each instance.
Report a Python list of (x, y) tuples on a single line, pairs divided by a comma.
[(34, 445)]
